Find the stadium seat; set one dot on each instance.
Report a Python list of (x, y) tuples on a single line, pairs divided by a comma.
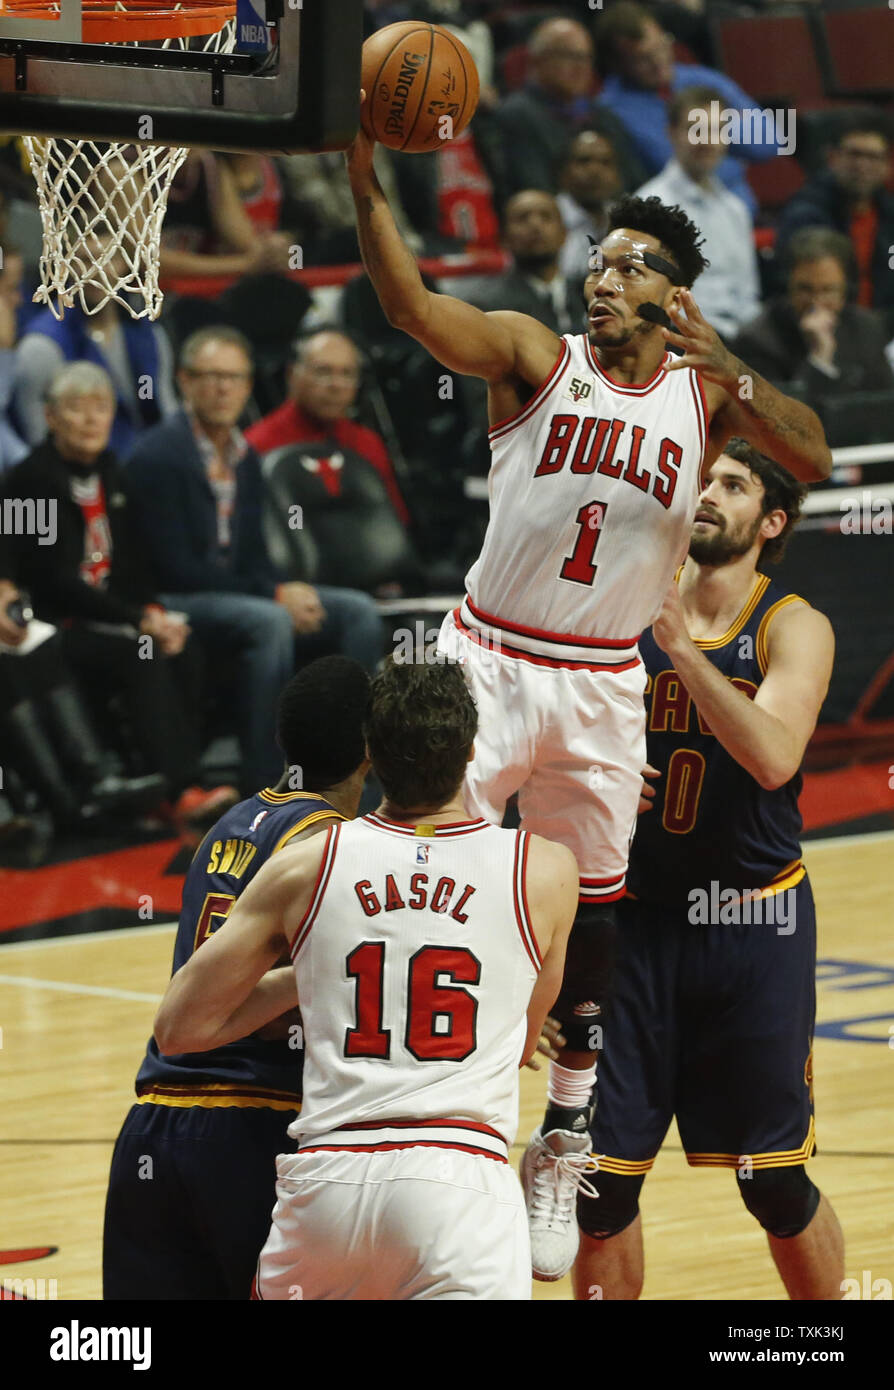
[(775, 181), (858, 51), (772, 57)]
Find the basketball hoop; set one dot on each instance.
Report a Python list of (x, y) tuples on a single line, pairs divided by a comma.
[(102, 206)]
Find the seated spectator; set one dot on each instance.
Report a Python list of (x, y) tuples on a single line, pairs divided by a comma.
[(207, 231), (12, 446), (589, 181), (135, 353), (851, 196), (534, 235), (637, 59), (453, 193), (198, 488), (538, 121), (728, 290), (46, 735), (260, 188), (811, 338), (93, 583), (319, 182), (323, 387)]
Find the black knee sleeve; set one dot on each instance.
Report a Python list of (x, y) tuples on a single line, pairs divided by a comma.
[(589, 962), (615, 1207), (783, 1200)]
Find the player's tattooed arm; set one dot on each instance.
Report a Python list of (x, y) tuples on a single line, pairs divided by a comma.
[(551, 889), (742, 403), (230, 986), (767, 736)]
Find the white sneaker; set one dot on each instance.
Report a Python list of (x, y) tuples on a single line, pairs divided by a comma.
[(552, 1173)]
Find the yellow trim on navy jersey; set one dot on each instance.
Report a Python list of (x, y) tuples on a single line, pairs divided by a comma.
[(280, 798), (757, 593), (782, 1158), (625, 1167), (210, 1095), (330, 815), (760, 646)]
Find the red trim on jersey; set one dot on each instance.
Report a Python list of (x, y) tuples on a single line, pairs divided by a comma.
[(451, 828), (556, 663), (409, 1144), (640, 388), (520, 900), (316, 897), (543, 635), (602, 890), (701, 416), (423, 1124), (527, 410)]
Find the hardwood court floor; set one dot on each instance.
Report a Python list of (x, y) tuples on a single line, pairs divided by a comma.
[(75, 1014)]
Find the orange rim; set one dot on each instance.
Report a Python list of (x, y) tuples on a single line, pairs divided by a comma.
[(142, 21)]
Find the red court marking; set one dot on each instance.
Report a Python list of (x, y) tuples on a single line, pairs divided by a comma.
[(33, 1252), (118, 879)]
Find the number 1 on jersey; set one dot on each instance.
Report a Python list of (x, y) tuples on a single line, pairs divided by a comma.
[(579, 566)]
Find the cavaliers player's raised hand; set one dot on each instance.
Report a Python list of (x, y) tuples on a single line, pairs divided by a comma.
[(702, 347)]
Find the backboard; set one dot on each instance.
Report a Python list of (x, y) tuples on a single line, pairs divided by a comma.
[(291, 83)]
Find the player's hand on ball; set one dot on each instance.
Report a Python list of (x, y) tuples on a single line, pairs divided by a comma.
[(647, 793), (550, 1039), (702, 347)]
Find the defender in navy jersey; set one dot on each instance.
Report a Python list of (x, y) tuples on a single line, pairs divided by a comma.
[(192, 1179), (713, 1011)]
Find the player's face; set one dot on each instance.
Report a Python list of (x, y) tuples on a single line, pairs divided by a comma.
[(81, 425), (614, 293), (729, 514), (217, 384)]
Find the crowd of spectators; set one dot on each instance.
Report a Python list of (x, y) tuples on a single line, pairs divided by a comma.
[(240, 482)]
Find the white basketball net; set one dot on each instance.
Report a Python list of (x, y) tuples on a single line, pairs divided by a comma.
[(102, 208)]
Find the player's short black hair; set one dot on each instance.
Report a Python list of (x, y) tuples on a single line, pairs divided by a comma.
[(420, 727), (319, 721), (680, 238), (782, 492)]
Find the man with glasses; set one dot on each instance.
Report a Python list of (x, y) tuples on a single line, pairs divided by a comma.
[(850, 196), (557, 101), (200, 499), (812, 339)]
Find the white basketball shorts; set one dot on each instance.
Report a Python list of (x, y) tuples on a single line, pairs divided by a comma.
[(410, 1223), (567, 731)]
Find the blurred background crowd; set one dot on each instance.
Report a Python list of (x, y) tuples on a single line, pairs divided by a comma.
[(271, 471)]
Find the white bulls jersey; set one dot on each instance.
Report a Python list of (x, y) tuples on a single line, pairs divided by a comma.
[(415, 963), (593, 488)]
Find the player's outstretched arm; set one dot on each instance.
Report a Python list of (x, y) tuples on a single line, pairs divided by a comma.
[(767, 735), (229, 987), (551, 888), (743, 403), (493, 346)]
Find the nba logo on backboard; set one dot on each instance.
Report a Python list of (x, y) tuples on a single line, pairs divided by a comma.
[(422, 853), (252, 34)]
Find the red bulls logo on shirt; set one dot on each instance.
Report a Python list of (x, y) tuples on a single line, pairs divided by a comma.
[(600, 446)]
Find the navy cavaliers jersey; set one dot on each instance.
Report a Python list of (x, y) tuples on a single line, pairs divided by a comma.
[(711, 821), (252, 1071)]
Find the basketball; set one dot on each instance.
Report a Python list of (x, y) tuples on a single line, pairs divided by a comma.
[(421, 86)]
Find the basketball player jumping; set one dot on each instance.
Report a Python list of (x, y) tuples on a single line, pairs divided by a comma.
[(427, 948), (714, 997), (598, 443)]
